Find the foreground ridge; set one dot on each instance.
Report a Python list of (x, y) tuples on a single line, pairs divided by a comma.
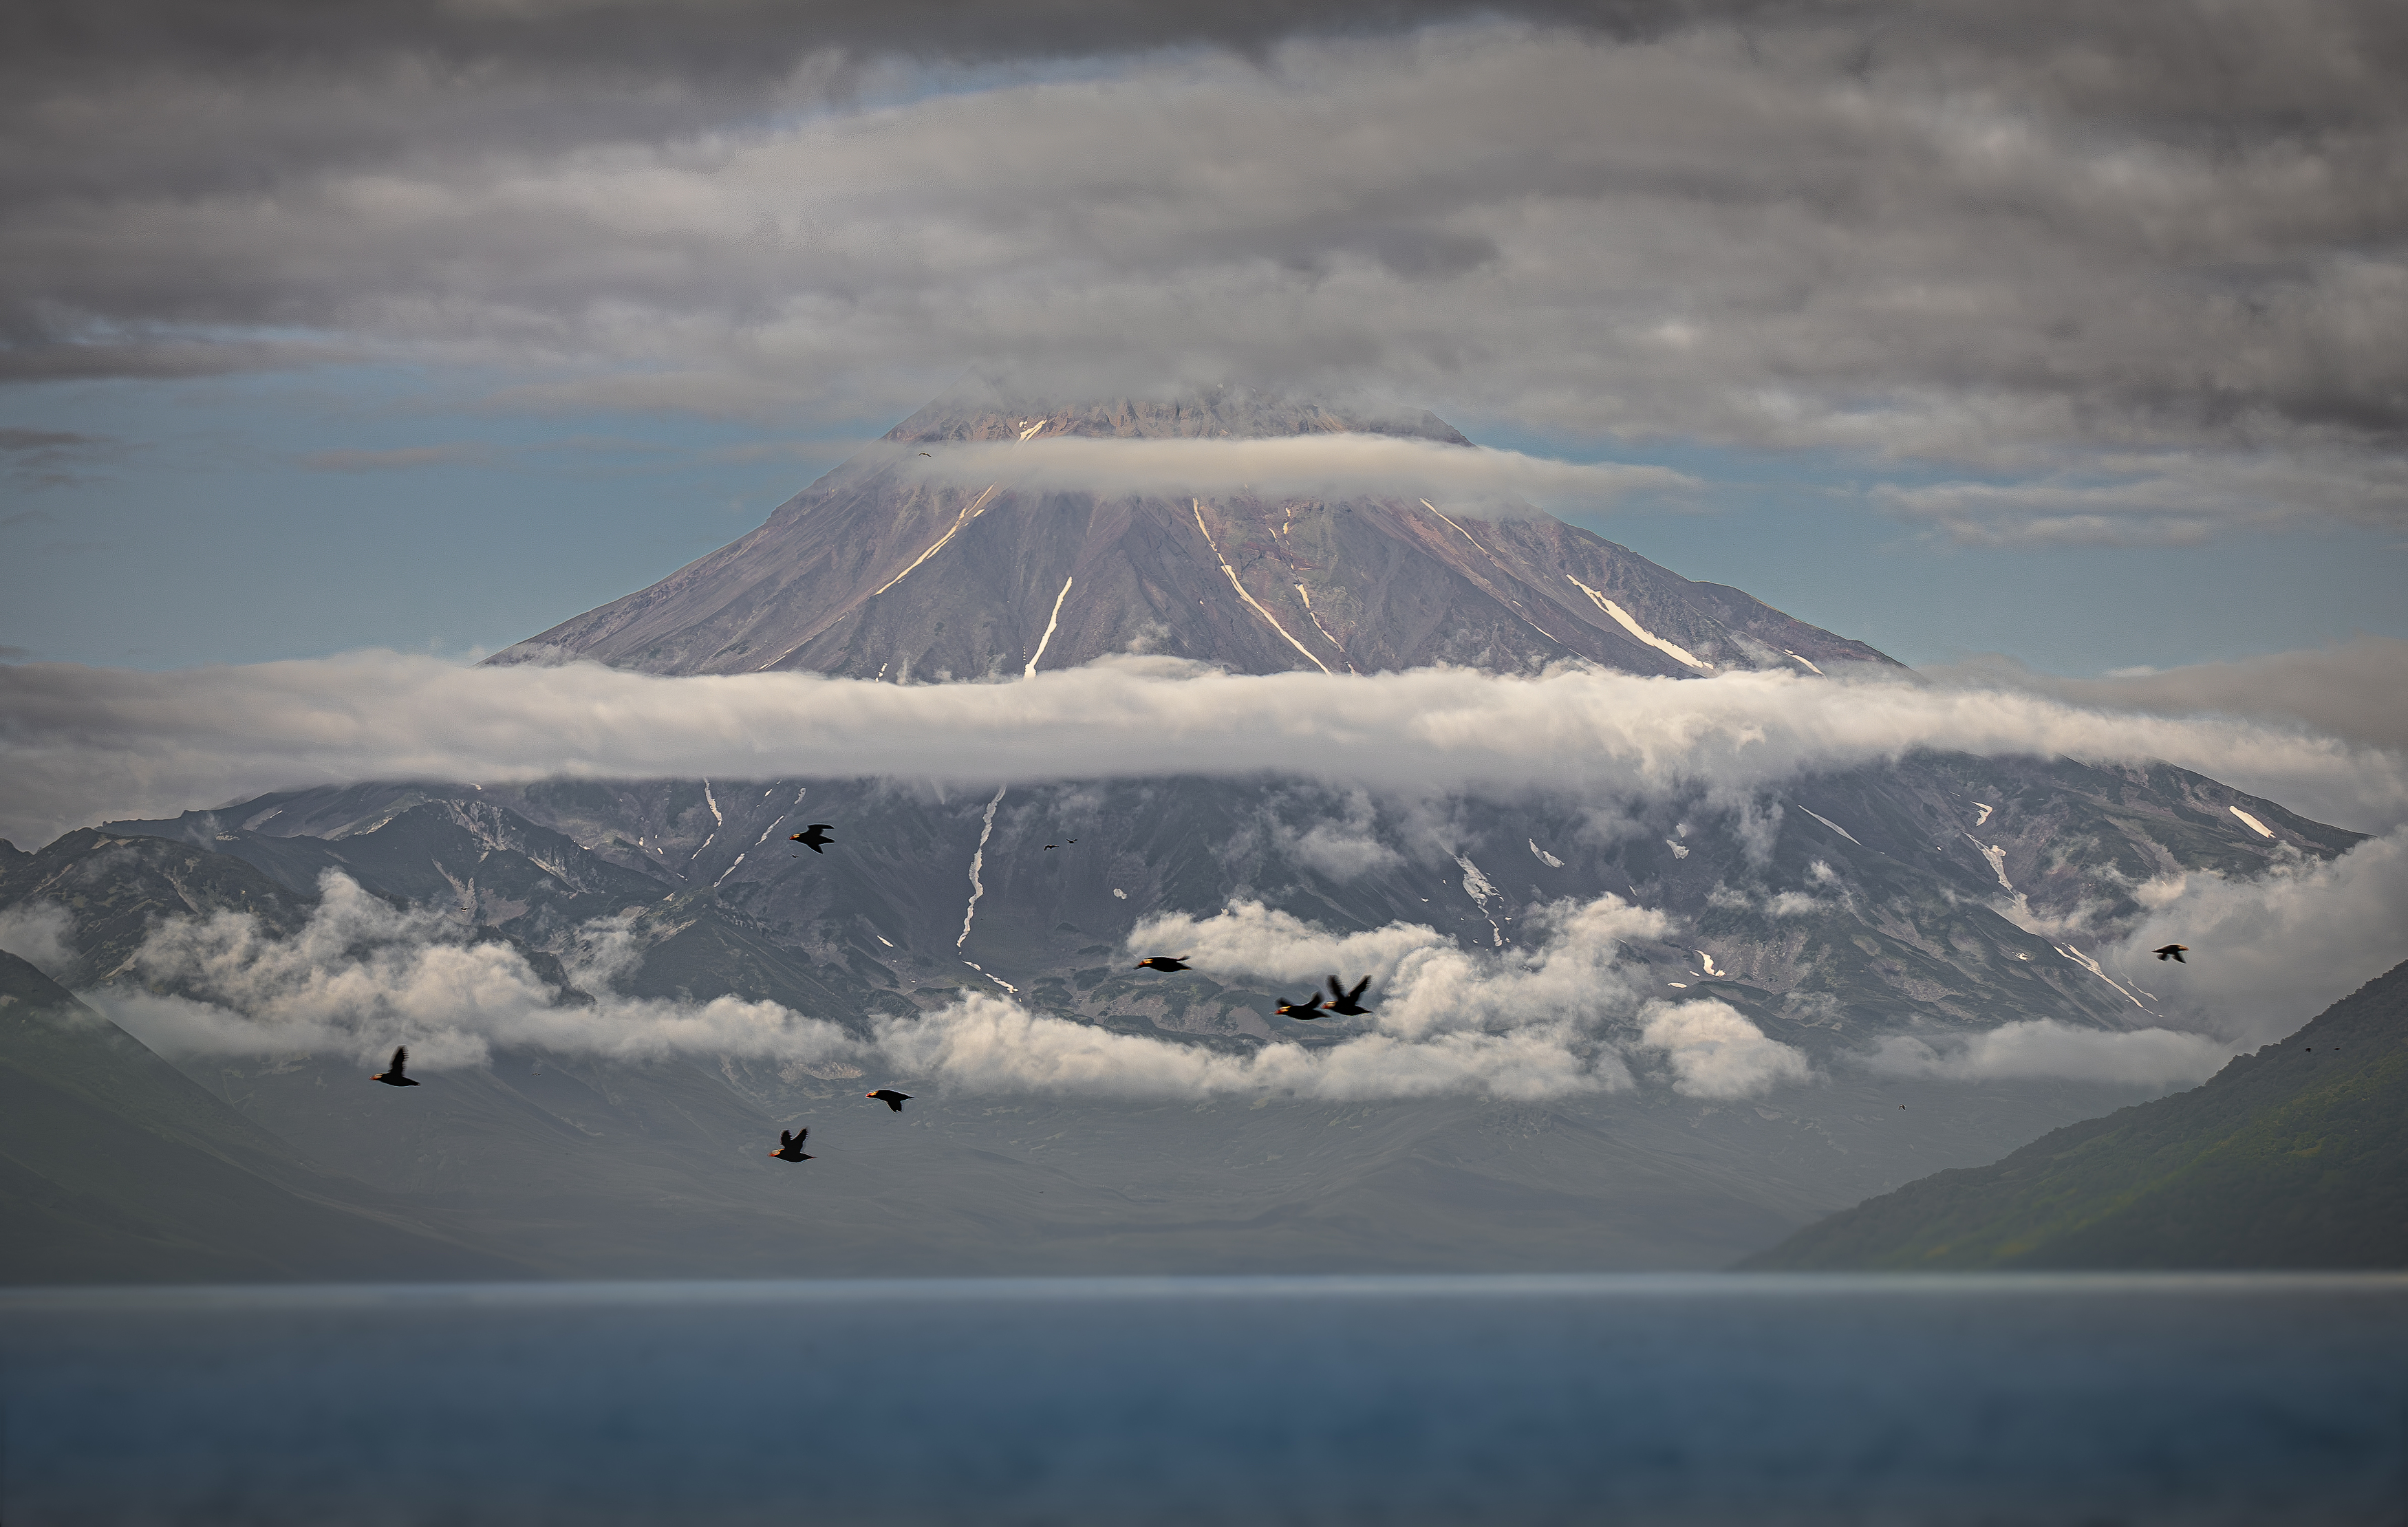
[(2296, 1156)]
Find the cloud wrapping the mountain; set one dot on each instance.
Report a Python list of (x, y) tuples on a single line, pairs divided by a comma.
[(2268, 954), (79, 743), (2044, 1048), (1332, 465), (1715, 1053), (362, 976), (2356, 691), (987, 1044), (37, 934), (1423, 983)]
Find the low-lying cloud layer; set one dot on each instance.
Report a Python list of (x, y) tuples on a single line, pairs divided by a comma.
[(1548, 1021), (81, 744), (362, 976), (1553, 1015), (2356, 691)]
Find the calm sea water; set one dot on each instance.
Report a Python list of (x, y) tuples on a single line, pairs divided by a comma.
[(2076, 1400)]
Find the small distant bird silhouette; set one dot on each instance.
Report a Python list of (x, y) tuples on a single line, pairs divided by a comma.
[(1164, 962), (1053, 845), (925, 454), (392, 1076), (892, 1098), (2173, 952), (790, 1147), (815, 837), (1343, 1002), (1308, 1009)]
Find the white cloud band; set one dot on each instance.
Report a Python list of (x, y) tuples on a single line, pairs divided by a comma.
[(79, 744)]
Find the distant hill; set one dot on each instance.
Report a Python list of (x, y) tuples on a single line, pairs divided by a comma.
[(2294, 1157), (115, 1168)]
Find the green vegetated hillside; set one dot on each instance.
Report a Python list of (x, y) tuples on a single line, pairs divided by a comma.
[(116, 1168), (2294, 1157)]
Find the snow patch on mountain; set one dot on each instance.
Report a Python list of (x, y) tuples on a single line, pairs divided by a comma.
[(1682, 654), (2252, 823), (1832, 825), (2092, 965), (978, 860), (1050, 621), (1997, 855)]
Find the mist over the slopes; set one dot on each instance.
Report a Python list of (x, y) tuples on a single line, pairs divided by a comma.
[(1334, 466), (1552, 1017), (362, 976), (2356, 691), (80, 745), (2135, 269)]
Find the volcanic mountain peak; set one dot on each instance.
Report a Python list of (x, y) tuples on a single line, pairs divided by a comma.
[(895, 569)]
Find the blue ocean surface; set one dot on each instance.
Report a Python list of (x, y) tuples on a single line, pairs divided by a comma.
[(2083, 1400)]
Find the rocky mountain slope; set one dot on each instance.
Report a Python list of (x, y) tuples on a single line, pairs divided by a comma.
[(2296, 1156), (882, 569), (1857, 904)]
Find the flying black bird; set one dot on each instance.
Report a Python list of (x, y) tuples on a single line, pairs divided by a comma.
[(815, 837), (1343, 1002), (392, 1076), (892, 1098), (1164, 962), (790, 1147), (1308, 1009), (2173, 952), (925, 454), (1053, 845)]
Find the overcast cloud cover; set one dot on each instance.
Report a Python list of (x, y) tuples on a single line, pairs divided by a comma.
[(2135, 272)]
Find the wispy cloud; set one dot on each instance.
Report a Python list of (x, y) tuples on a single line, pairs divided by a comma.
[(2356, 689), (400, 459), (2044, 1048)]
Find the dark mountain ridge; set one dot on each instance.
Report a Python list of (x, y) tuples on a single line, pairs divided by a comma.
[(114, 1167), (2296, 1156)]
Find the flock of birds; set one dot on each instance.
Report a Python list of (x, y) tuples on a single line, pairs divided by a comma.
[(1344, 1001)]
